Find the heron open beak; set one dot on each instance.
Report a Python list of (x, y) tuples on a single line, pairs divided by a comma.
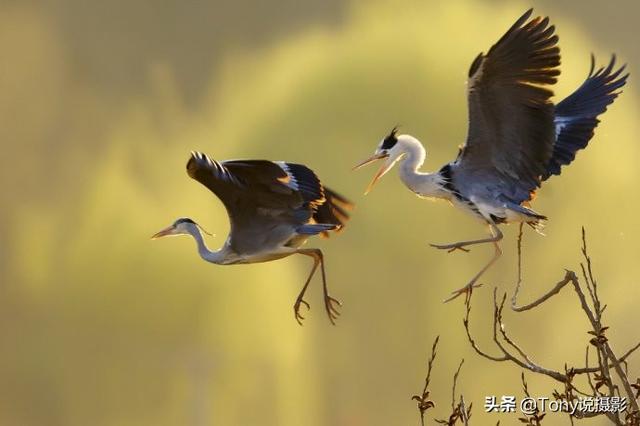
[(163, 233), (381, 172), (370, 160)]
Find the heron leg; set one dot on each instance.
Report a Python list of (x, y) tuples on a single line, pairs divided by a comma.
[(496, 235), (472, 284), (300, 299), (329, 302)]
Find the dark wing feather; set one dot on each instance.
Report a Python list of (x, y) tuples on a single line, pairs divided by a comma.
[(576, 117), (328, 207), (262, 209), (334, 210), (260, 196), (306, 182), (511, 130)]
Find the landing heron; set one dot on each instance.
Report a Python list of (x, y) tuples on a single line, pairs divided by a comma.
[(517, 137)]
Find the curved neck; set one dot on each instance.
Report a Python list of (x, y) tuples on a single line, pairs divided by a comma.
[(414, 155), (215, 256), (423, 184)]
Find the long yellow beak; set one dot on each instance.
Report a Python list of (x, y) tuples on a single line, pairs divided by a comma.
[(370, 160), (163, 233), (379, 173)]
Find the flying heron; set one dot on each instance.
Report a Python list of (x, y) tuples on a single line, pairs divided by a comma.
[(273, 208), (517, 137)]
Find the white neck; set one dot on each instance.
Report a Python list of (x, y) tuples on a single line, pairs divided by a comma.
[(215, 256), (411, 159)]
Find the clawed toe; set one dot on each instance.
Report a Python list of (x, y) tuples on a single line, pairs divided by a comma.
[(332, 311), (451, 247), (466, 290), (466, 250), (331, 305), (296, 310)]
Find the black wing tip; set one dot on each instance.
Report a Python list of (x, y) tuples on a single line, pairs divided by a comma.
[(475, 65), (538, 23), (609, 75), (524, 17), (196, 156), (191, 163), (537, 27), (198, 161)]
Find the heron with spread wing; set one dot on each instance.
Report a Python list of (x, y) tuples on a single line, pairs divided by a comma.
[(517, 137), (273, 208)]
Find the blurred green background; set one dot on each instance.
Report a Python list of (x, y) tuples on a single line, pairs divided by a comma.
[(100, 105)]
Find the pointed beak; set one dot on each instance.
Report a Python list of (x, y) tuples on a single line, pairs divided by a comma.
[(370, 160), (381, 172), (163, 233)]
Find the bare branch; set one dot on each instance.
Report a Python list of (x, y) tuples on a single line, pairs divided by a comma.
[(555, 290), (527, 364), (474, 345), (604, 378), (424, 403), (622, 359), (459, 411), (455, 382)]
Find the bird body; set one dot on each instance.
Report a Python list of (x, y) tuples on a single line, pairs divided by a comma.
[(225, 255), (475, 200), (517, 137), (273, 208)]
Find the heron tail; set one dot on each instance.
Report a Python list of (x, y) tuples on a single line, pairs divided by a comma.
[(316, 228), (334, 210)]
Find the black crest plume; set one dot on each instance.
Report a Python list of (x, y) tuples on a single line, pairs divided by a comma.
[(391, 139)]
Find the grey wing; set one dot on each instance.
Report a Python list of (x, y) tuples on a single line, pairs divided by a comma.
[(263, 211), (267, 202), (511, 118), (576, 117)]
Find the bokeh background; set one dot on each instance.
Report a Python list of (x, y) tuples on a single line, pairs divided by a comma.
[(100, 105)]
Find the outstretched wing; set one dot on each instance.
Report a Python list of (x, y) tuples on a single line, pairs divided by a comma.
[(511, 128), (263, 199), (576, 117)]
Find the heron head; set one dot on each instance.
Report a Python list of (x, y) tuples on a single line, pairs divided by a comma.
[(182, 226), (389, 150)]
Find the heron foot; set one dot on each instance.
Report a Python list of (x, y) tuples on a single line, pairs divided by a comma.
[(296, 309), (451, 247), (466, 290), (332, 310)]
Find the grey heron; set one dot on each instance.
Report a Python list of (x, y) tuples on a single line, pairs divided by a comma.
[(273, 208), (517, 138)]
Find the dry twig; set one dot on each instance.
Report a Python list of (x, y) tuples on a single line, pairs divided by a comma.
[(424, 403), (459, 411), (609, 369)]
